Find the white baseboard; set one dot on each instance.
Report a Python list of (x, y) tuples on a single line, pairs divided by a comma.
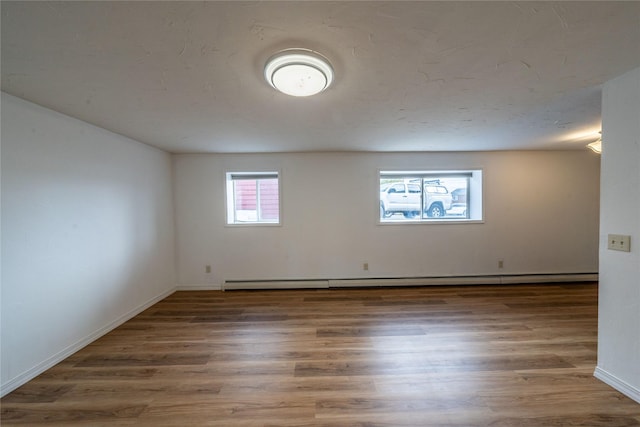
[(205, 287), (547, 278), (615, 382), (277, 284), (409, 281), (414, 281), (33, 372)]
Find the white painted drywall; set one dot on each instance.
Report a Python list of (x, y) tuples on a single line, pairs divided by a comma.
[(541, 216), (619, 302), (87, 234)]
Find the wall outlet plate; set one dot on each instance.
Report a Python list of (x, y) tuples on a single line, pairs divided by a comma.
[(619, 242)]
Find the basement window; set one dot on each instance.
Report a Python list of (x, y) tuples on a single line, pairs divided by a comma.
[(430, 196), (253, 198)]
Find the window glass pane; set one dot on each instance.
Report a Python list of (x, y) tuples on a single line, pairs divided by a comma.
[(269, 200), (425, 196), (245, 201)]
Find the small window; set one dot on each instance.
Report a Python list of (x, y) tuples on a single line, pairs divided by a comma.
[(430, 196), (253, 198)]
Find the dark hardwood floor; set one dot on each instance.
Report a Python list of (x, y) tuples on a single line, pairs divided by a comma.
[(505, 356)]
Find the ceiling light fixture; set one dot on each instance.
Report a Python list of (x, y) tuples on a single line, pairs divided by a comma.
[(298, 72), (596, 146)]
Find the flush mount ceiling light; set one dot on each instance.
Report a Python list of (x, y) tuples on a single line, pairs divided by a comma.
[(298, 72), (596, 146)]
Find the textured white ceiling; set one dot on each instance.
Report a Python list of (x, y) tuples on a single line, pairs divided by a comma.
[(410, 76)]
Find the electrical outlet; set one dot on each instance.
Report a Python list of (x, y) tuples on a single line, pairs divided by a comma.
[(207, 269), (365, 266), (619, 242), (500, 263)]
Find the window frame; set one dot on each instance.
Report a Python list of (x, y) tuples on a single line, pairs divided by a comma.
[(230, 202), (475, 194)]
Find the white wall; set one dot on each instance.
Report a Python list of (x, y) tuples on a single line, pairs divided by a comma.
[(541, 216), (87, 234), (619, 302)]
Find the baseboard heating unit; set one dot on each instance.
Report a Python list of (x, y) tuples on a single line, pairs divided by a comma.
[(230, 284)]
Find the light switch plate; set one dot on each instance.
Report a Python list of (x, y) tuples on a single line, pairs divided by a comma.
[(619, 242)]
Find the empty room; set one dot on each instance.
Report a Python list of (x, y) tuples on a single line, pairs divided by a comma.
[(317, 213)]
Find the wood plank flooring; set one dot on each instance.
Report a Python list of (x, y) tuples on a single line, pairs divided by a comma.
[(500, 356)]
